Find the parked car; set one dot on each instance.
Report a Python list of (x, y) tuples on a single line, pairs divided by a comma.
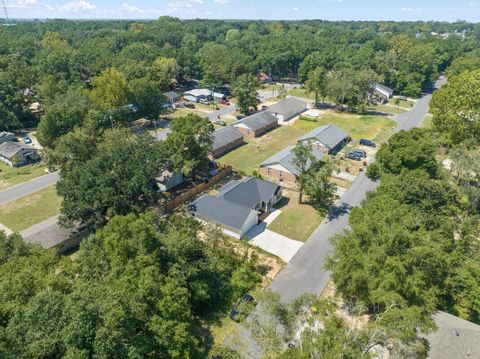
[(353, 156), (368, 143), (239, 117), (360, 152), (189, 105), (220, 122), (203, 101), (264, 107), (27, 140), (242, 308), (224, 102)]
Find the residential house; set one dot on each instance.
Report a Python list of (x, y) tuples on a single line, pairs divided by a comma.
[(264, 78), (282, 167), (381, 93), (168, 180), (6, 137), (328, 139), (238, 206), (287, 108), (225, 139), (172, 97), (256, 125), (16, 154), (198, 94), (455, 338)]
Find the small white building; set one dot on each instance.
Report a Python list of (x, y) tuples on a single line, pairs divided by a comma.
[(287, 109), (381, 93)]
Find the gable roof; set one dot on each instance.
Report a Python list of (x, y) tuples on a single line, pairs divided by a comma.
[(455, 338), (258, 120), (199, 92), (224, 136), (249, 191), (287, 105), (382, 88), (10, 149), (172, 95), (4, 134), (328, 135), (235, 202), (286, 158)]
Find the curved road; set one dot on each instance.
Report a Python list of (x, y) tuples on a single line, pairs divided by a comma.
[(305, 273)]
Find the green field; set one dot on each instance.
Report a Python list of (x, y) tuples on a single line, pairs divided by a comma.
[(10, 176), (32, 209), (248, 157), (297, 221)]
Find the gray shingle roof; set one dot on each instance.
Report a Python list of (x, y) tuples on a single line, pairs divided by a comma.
[(224, 136), (172, 95), (383, 88), (4, 134), (455, 338), (329, 135), (258, 120), (10, 149), (287, 105), (234, 203), (250, 191), (286, 158)]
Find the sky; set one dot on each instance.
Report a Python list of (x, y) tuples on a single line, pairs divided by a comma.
[(397, 10)]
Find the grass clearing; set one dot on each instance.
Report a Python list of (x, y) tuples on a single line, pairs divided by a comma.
[(248, 157), (11, 176), (427, 122), (297, 221), (303, 93), (32, 209)]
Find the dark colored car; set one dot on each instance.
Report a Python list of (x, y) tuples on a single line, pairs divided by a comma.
[(360, 152), (224, 102), (368, 143), (189, 105), (353, 156), (264, 108), (242, 308)]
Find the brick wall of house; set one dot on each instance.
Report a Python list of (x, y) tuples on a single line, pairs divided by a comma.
[(222, 150), (273, 173)]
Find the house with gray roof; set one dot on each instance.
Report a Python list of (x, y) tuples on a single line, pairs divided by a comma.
[(455, 338), (287, 108), (329, 138), (281, 165), (224, 140), (172, 97), (257, 124), (6, 137), (16, 154), (198, 94), (381, 93), (238, 206)]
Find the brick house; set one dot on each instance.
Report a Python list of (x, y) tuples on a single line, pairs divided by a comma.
[(281, 166), (287, 108), (256, 125), (225, 140)]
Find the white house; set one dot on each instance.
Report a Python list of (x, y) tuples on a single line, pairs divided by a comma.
[(287, 108), (16, 154)]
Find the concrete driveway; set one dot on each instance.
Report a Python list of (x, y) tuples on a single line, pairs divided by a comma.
[(272, 242)]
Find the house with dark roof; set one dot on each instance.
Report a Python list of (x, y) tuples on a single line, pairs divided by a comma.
[(381, 93), (281, 166), (16, 154), (225, 139), (6, 137), (238, 206), (257, 124), (287, 108), (329, 138), (172, 97), (455, 338)]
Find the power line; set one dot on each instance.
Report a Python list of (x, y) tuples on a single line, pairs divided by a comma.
[(6, 12)]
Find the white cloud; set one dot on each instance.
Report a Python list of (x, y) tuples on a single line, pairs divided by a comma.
[(295, 9), (130, 8), (409, 9), (220, 1), (20, 4), (76, 7)]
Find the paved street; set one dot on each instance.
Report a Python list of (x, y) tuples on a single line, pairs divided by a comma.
[(305, 273), (34, 185), (268, 93), (224, 111)]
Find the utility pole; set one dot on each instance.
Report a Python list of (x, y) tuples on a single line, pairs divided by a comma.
[(6, 12)]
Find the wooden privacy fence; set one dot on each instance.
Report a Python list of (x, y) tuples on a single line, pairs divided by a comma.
[(169, 206)]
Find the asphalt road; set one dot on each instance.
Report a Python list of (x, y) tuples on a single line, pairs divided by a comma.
[(268, 93), (306, 273), (224, 111), (23, 189)]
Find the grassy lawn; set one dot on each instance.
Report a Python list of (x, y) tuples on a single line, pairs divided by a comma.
[(31, 209), (389, 109), (297, 221), (10, 176), (427, 122), (301, 92), (248, 157)]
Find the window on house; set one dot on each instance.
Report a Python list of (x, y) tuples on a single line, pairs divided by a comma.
[(269, 170)]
